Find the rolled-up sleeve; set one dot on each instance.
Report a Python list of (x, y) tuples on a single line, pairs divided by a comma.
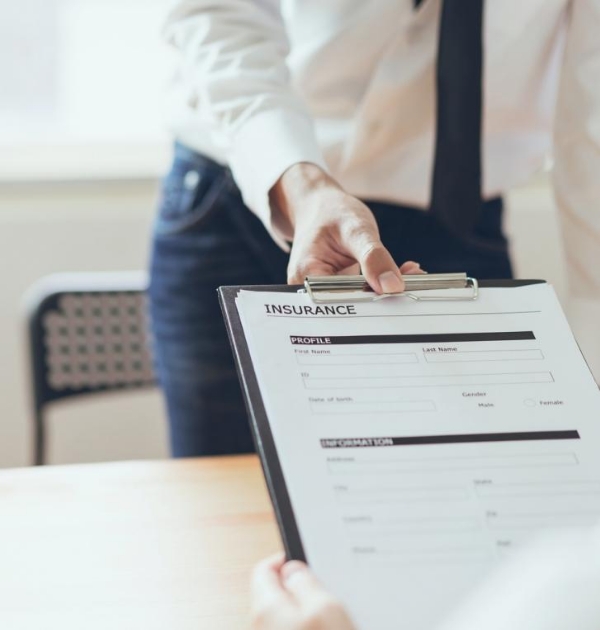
[(234, 56), (577, 172)]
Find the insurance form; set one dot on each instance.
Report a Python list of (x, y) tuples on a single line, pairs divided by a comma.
[(423, 442)]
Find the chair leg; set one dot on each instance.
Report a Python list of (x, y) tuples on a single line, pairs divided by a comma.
[(39, 445)]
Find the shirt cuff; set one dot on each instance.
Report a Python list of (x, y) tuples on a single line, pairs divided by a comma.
[(262, 150)]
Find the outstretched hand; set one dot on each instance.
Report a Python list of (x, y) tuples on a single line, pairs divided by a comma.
[(334, 232)]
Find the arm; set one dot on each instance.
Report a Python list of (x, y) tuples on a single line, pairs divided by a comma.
[(236, 50), (577, 172)]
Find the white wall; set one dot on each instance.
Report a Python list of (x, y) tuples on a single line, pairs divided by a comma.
[(82, 71), (74, 108), (72, 227), (90, 227), (532, 226)]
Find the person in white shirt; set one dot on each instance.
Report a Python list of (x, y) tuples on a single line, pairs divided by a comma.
[(364, 133), (550, 584)]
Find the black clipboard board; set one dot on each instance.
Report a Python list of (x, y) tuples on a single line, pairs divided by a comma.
[(259, 422)]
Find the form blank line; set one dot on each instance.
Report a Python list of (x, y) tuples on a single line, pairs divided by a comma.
[(401, 465), (373, 556), (477, 356), (439, 380), (538, 489), (358, 359), (537, 520), (393, 527), (372, 407), (402, 495)]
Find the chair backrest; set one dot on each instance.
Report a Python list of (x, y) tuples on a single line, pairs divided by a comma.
[(88, 334)]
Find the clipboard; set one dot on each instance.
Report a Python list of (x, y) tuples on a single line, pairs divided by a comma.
[(259, 423)]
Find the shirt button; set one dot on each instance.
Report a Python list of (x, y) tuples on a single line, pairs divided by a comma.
[(191, 179)]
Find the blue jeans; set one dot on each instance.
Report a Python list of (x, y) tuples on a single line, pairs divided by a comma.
[(205, 237)]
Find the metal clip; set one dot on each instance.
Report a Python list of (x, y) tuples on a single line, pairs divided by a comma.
[(332, 289)]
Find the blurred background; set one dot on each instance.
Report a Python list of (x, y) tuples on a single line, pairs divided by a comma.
[(82, 149)]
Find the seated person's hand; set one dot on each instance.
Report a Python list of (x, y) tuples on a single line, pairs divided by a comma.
[(287, 596), (333, 231)]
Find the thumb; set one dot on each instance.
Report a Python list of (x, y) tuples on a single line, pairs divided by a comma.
[(378, 266), (300, 581), (313, 599)]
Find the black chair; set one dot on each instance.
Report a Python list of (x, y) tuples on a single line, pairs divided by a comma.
[(88, 334)]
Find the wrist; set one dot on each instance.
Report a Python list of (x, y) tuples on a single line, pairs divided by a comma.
[(295, 186)]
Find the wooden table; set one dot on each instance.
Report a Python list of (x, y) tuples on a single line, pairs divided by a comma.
[(132, 546)]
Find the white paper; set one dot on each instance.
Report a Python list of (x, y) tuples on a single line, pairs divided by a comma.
[(423, 442)]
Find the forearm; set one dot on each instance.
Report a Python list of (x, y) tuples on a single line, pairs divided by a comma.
[(294, 189), (235, 51)]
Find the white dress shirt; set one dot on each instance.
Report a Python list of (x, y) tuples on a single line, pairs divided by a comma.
[(350, 85)]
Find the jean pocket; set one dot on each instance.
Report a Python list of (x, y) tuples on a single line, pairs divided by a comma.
[(189, 194)]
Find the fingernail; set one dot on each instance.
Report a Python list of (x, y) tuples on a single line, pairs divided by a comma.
[(390, 282), (292, 568)]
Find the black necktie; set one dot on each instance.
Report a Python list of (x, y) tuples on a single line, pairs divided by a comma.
[(456, 186)]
